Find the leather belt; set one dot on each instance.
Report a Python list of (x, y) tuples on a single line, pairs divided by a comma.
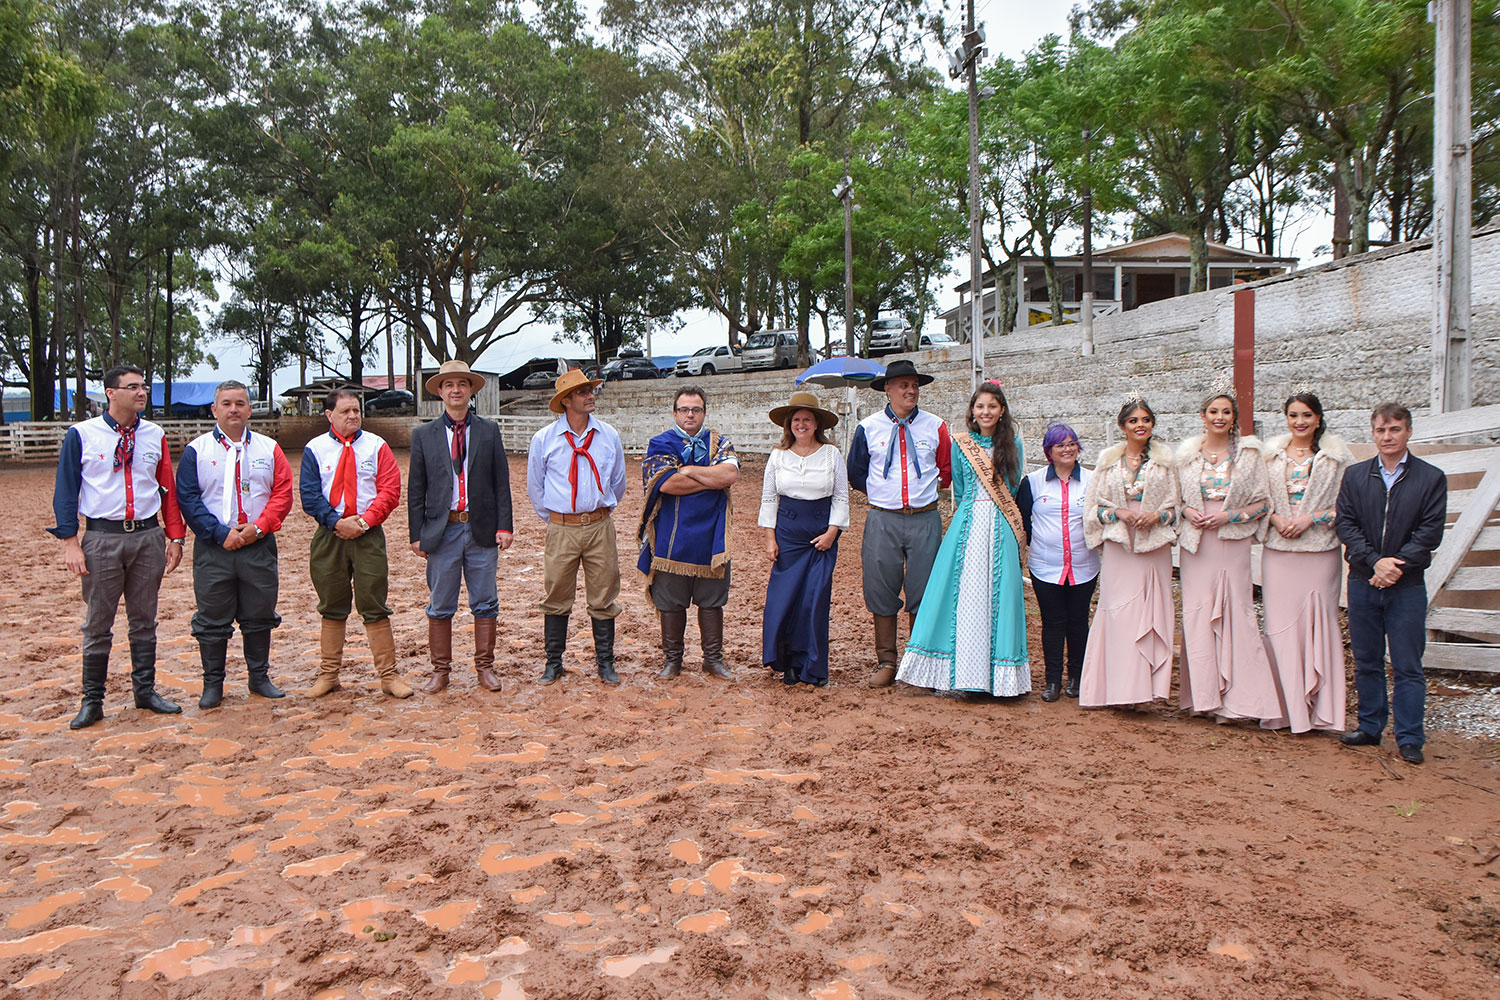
[(588, 517), (120, 527), (458, 517), (909, 511)]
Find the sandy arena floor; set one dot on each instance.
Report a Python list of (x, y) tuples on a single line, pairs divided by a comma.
[(694, 839)]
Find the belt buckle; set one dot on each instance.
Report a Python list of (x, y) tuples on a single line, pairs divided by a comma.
[(129, 526)]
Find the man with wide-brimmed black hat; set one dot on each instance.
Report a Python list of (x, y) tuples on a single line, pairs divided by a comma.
[(899, 459), (458, 509), (575, 477)]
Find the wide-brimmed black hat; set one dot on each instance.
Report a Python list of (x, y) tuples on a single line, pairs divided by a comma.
[(899, 369)]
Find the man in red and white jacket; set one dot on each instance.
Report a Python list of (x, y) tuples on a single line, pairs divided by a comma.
[(350, 484), (115, 472), (235, 489)]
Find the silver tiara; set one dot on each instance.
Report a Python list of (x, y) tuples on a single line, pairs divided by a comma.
[(1222, 385), (1303, 389), (1134, 398)]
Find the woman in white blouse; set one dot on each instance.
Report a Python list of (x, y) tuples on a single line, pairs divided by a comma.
[(804, 505)]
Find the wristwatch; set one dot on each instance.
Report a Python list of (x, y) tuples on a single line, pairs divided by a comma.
[(178, 541), (259, 534), (363, 524)]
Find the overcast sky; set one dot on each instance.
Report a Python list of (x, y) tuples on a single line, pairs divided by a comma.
[(1011, 27)]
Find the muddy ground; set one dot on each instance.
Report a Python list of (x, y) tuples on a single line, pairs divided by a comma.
[(692, 838)]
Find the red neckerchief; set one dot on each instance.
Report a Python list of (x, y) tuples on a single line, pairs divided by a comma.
[(345, 485), (573, 468)]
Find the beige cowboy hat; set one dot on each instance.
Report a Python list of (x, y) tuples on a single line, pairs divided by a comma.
[(450, 369), (804, 401), (570, 381)]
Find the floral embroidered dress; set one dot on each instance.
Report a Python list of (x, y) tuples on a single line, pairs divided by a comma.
[(970, 631)]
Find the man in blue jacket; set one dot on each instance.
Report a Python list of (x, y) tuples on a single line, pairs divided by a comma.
[(1390, 517)]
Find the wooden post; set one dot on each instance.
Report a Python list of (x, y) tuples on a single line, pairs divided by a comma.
[(1244, 357), (1452, 223)]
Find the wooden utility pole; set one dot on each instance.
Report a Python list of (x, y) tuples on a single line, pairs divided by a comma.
[(1452, 184), (966, 59), (1086, 315)]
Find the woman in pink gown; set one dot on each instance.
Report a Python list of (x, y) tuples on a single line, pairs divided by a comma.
[(1129, 510), (1222, 478), (1301, 569)]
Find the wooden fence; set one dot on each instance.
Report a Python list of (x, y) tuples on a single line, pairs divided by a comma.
[(39, 441)]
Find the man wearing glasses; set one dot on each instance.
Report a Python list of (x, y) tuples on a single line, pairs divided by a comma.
[(684, 530), (115, 473), (575, 477)]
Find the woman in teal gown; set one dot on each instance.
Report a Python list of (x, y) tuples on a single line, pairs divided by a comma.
[(970, 631)]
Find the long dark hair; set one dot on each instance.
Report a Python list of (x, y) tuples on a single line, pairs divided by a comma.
[(1007, 463), (1310, 401)]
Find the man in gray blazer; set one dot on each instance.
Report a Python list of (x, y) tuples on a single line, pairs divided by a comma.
[(458, 505)]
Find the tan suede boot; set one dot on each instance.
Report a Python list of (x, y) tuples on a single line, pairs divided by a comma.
[(885, 651), (383, 649), (332, 641), (440, 648), (484, 653)]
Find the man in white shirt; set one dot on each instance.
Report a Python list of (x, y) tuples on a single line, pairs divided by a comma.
[(575, 477)]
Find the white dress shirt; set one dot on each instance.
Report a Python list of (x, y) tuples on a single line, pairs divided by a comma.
[(813, 477), (551, 457)]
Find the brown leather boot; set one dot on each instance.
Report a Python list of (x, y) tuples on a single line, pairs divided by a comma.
[(711, 631), (885, 651), (383, 649), (440, 646), (673, 626), (484, 653), (332, 643)]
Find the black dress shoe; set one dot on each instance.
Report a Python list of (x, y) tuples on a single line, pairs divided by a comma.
[(1360, 738), (1072, 689), (1053, 692), (789, 678), (1411, 753)]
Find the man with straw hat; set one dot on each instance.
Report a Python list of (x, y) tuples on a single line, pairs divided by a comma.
[(458, 509), (684, 530), (575, 477), (899, 458)]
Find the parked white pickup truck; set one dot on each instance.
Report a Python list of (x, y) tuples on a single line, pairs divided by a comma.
[(709, 361)]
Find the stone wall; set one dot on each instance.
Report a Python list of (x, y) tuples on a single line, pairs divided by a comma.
[(1356, 331)]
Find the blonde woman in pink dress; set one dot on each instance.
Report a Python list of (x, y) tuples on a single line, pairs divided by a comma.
[(1222, 477), (1130, 509), (1300, 569)]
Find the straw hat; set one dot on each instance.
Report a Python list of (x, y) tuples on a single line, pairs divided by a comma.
[(803, 401), (900, 368), (449, 369), (567, 382)]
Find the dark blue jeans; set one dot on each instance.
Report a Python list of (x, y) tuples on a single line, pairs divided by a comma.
[(1396, 616)]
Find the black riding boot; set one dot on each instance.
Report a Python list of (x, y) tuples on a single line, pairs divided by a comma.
[(258, 664), (143, 680), (555, 632), (212, 652), (604, 649), (95, 669)]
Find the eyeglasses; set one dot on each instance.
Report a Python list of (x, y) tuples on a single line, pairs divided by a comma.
[(132, 387), (694, 410), (587, 390)]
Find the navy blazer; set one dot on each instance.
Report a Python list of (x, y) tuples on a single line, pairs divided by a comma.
[(1406, 523), (429, 483)]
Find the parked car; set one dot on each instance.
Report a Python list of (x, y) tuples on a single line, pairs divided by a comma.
[(539, 380), (629, 368), (935, 342), (711, 360), (392, 402), (889, 335), (264, 408), (771, 349)]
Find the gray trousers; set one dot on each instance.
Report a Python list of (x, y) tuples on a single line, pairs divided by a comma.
[(457, 556), (129, 564), (675, 591), (897, 551), (234, 586)]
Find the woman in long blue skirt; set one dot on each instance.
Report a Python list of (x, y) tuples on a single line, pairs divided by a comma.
[(804, 506)]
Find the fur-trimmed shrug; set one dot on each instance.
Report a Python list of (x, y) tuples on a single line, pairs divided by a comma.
[(1106, 492)]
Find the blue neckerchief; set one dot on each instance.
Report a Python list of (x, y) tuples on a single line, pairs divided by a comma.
[(693, 445), (902, 427)]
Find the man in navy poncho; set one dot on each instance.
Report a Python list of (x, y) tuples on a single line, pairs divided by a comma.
[(684, 530)]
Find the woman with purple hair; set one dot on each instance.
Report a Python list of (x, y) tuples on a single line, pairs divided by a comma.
[(1063, 568)]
